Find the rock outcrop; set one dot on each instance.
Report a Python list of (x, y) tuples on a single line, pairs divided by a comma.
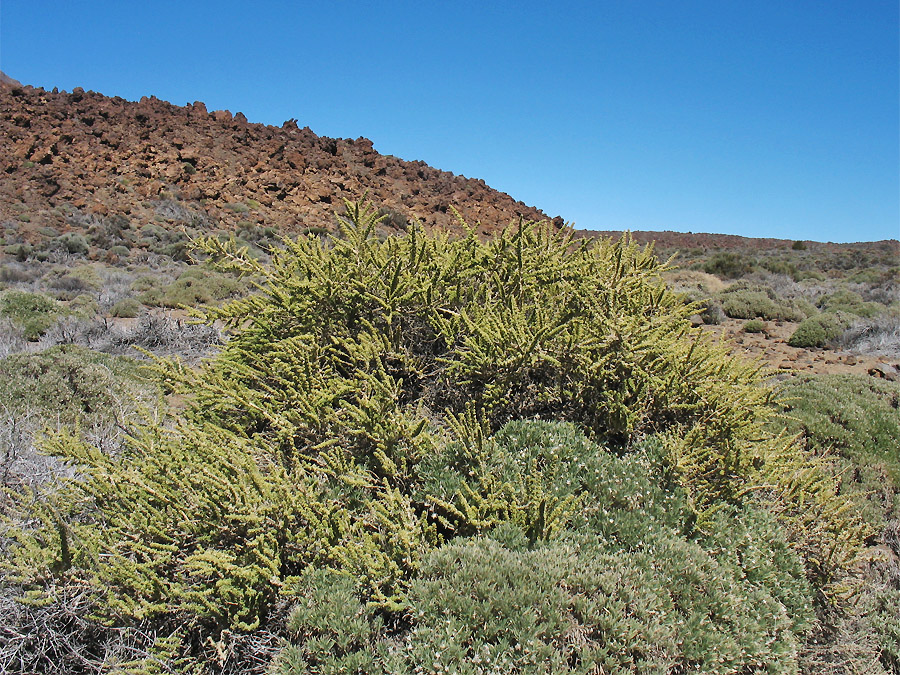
[(82, 151)]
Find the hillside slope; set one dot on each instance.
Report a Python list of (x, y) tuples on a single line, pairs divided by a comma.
[(153, 161)]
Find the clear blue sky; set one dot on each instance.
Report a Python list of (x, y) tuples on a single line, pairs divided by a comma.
[(767, 118)]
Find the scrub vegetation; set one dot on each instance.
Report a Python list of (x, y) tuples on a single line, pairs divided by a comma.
[(428, 454)]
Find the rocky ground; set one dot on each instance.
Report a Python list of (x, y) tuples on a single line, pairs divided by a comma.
[(771, 347)]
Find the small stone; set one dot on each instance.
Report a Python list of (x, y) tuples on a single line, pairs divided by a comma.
[(885, 371)]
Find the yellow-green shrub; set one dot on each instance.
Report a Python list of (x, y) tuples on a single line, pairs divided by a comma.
[(311, 439)]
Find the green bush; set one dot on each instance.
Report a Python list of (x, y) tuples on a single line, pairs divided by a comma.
[(887, 628), (69, 384), (855, 417), (819, 330), (650, 598), (363, 419), (728, 265), (127, 308), (752, 301), (478, 602), (83, 306), (850, 303), (194, 287), (754, 326), (502, 600), (852, 421), (782, 267), (154, 233), (73, 242), (19, 251), (187, 292), (34, 313)]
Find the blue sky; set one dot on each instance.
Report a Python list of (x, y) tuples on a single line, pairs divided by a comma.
[(767, 118)]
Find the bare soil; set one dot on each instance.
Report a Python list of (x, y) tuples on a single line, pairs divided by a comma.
[(772, 348)]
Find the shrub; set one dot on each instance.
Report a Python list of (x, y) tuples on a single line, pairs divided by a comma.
[(194, 287), (850, 303), (852, 421), (754, 326), (798, 246), (713, 314), (187, 292), (127, 308), (879, 336), (19, 251), (357, 421), (76, 281), (854, 415), (818, 330), (478, 602), (751, 301), (728, 265), (642, 601), (96, 393), (17, 273), (73, 242), (154, 233), (69, 384), (84, 306), (33, 312), (787, 268)]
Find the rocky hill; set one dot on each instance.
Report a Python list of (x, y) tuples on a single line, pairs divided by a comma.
[(122, 172), (80, 157)]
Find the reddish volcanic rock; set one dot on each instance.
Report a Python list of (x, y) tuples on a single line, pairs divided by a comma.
[(112, 156)]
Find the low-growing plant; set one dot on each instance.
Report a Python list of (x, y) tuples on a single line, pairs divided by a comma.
[(363, 418), (855, 416), (819, 330), (728, 265), (33, 312), (193, 287), (754, 326), (629, 576), (20, 251), (850, 303), (68, 383), (877, 337), (852, 422), (73, 243), (744, 300), (127, 308)]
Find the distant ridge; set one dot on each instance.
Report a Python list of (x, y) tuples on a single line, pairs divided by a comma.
[(697, 240)]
